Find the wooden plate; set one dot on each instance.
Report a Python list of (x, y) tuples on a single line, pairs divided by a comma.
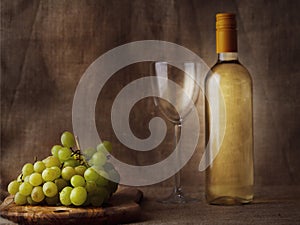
[(122, 208)]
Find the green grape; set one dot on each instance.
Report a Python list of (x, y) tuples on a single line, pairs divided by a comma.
[(55, 149), (108, 166), (78, 196), (90, 174), (57, 171), (61, 184), (64, 154), (37, 194), (99, 196), (35, 179), (50, 189), (30, 201), (27, 169), (51, 161), (101, 181), (39, 166), (98, 159), (91, 186), (105, 146), (87, 201), (71, 162), (89, 152), (52, 200), (103, 192), (64, 196), (25, 188), (67, 139), (112, 186), (20, 199), (49, 174), (13, 187), (26, 179), (68, 172), (77, 181), (95, 200), (90, 162), (114, 175), (103, 173), (80, 170), (97, 168)]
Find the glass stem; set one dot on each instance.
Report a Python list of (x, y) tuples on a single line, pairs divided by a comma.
[(177, 187)]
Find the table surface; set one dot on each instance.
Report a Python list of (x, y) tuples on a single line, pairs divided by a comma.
[(272, 205)]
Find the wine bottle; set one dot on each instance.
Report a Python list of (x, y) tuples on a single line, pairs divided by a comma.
[(229, 121)]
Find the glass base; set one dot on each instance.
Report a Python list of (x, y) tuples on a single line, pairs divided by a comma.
[(177, 197)]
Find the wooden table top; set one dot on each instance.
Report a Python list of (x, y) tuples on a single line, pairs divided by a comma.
[(272, 205)]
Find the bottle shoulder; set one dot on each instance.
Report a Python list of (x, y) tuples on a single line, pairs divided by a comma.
[(231, 70)]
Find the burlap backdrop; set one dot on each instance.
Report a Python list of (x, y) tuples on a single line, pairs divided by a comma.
[(47, 45)]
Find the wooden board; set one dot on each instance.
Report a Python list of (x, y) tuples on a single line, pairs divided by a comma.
[(122, 208)]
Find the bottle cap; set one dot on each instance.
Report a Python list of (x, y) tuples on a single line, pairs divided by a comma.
[(225, 21), (226, 35)]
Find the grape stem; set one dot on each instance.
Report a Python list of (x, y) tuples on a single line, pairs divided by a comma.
[(78, 151)]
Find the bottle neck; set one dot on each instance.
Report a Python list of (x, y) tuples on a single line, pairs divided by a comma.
[(227, 56), (226, 36)]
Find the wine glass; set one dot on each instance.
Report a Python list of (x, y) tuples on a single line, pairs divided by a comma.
[(187, 78)]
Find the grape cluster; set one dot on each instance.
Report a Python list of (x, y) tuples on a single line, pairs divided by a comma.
[(67, 177)]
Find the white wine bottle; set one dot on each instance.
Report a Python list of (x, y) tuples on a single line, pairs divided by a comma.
[(229, 120)]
